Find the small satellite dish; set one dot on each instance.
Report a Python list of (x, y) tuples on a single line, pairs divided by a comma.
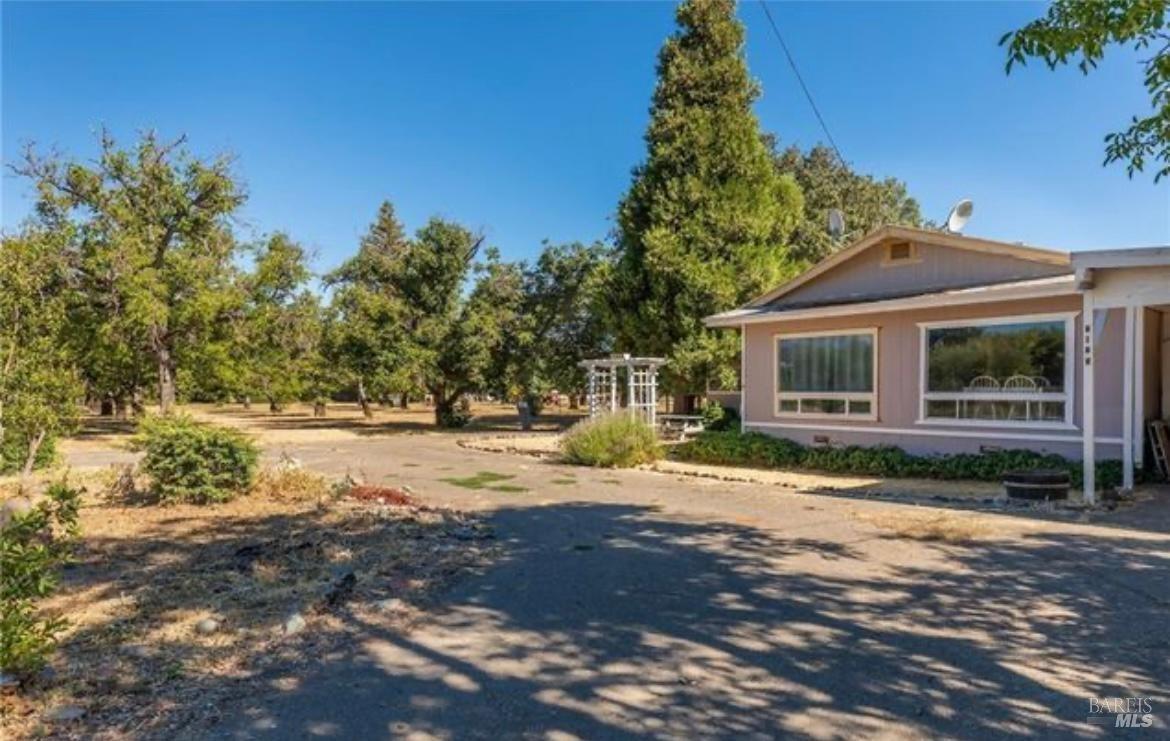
[(836, 223), (960, 215)]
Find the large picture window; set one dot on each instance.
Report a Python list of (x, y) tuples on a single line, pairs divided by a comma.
[(827, 374), (1015, 370)]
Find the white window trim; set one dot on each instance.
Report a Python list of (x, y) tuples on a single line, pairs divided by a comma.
[(1066, 397), (871, 397)]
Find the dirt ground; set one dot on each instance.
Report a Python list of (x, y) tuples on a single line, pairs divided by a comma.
[(610, 604), (172, 608), (345, 421)]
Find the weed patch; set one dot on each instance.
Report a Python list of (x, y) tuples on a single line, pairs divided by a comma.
[(486, 480), (940, 528), (510, 488)]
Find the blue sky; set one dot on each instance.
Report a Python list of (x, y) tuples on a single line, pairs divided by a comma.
[(524, 119)]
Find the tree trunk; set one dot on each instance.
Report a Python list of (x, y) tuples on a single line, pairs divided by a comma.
[(318, 409), (443, 407), (120, 408), (274, 406), (403, 400), (136, 403), (166, 381), (247, 402), (364, 400), (34, 446)]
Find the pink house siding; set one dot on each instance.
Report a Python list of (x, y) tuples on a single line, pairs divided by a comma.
[(899, 374)]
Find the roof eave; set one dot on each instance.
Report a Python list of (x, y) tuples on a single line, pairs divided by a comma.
[(1040, 288)]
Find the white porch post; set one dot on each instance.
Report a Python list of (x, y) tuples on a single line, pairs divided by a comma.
[(1088, 424), (1127, 401), (1139, 389)]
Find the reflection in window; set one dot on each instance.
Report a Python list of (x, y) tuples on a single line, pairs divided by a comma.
[(1011, 372)]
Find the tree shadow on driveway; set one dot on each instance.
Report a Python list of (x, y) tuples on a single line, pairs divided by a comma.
[(614, 621)]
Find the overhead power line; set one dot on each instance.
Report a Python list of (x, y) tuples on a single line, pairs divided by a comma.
[(807, 94)]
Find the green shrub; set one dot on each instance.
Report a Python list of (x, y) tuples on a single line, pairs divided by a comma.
[(456, 415), (33, 547), (618, 440), (764, 451), (194, 462), (15, 448), (719, 418)]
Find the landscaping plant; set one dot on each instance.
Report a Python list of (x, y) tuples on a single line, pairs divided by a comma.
[(618, 440), (33, 547), (717, 417), (193, 462), (764, 451)]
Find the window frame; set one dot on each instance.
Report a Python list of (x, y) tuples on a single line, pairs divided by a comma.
[(778, 394), (1067, 396)]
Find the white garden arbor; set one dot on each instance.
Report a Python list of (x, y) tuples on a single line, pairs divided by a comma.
[(641, 379)]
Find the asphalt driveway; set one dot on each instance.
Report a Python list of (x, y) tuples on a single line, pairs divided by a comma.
[(633, 604)]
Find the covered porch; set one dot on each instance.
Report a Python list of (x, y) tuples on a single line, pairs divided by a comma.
[(1135, 285)]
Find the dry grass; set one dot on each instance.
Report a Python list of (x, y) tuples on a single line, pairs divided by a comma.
[(146, 576), (284, 482), (940, 527), (345, 421)]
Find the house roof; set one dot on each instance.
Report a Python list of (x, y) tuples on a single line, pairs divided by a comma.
[(1133, 257), (904, 233), (1059, 285)]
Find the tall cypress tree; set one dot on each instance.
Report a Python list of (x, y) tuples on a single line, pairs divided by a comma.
[(705, 223)]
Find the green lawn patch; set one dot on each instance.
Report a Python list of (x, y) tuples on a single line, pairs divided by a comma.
[(486, 480), (563, 482)]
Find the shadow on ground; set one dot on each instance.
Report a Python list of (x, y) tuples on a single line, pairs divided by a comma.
[(145, 576), (612, 621)]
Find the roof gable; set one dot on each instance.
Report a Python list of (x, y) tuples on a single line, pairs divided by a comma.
[(942, 261)]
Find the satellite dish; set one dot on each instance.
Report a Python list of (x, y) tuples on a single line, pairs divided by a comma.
[(836, 223), (960, 215)]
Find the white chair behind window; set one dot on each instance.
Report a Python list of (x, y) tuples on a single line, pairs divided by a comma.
[(983, 384), (1020, 409)]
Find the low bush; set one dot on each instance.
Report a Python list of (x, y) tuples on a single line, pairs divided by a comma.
[(719, 418), (758, 450), (33, 547), (194, 462), (618, 440)]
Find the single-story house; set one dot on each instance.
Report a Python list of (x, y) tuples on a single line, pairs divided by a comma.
[(940, 343)]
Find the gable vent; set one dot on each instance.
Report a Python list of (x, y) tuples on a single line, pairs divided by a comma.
[(900, 252)]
